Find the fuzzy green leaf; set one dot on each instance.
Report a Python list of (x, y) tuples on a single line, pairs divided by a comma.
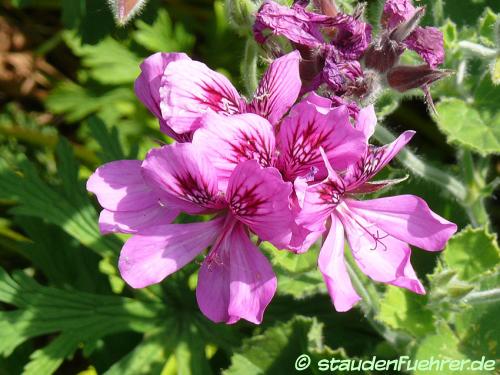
[(403, 310), (276, 349), (472, 252), (467, 126)]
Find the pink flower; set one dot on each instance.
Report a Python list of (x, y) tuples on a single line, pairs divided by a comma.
[(293, 148), (189, 90), (378, 230), (235, 280)]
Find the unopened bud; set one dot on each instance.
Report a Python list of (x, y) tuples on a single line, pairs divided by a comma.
[(124, 10), (383, 54), (311, 62), (403, 78), (403, 30)]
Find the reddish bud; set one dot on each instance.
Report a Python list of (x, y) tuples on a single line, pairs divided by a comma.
[(125, 10), (404, 78)]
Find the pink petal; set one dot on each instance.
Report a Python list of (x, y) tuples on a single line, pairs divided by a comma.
[(396, 12), (407, 218), (229, 140), (119, 186), (366, 121), (379, 255), (238, 283), (147, 85), (309, 127), (149, 257), (375, 159), (259, 198), (295, 24), (332, 265), (317, 207), (278, 89), (318, 100), (189, 89), (427, 42), (184, 178), (134, 221)]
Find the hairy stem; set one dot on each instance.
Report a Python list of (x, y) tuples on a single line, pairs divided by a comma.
[(474, 203), (249, 66), (483, 297)]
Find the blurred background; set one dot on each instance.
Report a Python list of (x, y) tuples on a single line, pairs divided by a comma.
[(67, 105)]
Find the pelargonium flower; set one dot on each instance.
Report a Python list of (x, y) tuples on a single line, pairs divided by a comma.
[(323, 56), (378, 230), (179, 91), (235, 280), (293, 148)]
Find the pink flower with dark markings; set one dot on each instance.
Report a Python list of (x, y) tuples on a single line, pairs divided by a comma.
[(378, 230), (189, 90), (293, 148), (235, 280)]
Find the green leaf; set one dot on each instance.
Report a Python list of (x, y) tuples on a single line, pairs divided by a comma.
[(297, 273), (61, 258), (442, 346), (162, 35), (465, 125), (111, 148), (472, 252), (49, 358), (479, 334), (77, 102), (406, 311), (450, 34), (70, 208), (275, 350), (486, 27), (84, 316), (189, 352), (146, 358), (72, 12), (109, 62)]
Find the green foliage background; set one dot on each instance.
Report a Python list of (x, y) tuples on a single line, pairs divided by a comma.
[(63, 307)]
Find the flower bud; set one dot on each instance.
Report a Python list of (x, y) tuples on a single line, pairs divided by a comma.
[(383, 54), (403, 78), (125, 10), (403, 30)]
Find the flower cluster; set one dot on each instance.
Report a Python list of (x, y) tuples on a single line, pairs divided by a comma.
[(338, 51), (288, 166)]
